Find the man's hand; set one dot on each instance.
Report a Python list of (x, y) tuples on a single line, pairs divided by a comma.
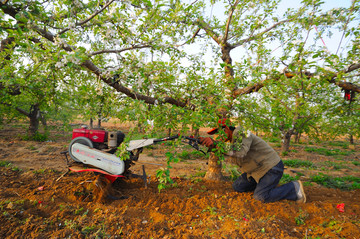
[(207, 141)]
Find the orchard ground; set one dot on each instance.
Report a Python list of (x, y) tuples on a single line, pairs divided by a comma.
[(38, 201)]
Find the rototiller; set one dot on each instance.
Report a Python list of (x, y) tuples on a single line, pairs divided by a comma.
[(94, 150)]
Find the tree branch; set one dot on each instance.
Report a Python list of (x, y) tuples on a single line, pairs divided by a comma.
[(254, 37), (228, 22), (202, 24), (120, 50), (331, 79), (88, 19)]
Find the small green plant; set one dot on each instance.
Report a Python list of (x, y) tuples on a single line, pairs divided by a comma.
[(88, 229), (122, 153), (344, 183), (342, 144), (327, 152), (232, 171), (184, 155), (286, 178), (16, 169), (297, 163), (70, 224), (300, 219), (284, 153), (31, 147), (163, 174), (39, 137), (5, 164), (39, 171), (274, 140), (78, 211), (333, 165), (212, 210)]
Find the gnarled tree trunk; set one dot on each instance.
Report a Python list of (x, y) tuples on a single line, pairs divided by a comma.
[(214, 170)]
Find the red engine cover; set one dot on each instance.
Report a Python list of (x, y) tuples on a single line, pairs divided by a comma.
[(95, 135)]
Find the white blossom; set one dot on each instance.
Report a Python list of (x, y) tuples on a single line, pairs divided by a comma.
[(59, 64), (151, 123), (328, 68), (139, 82), (71, 25)]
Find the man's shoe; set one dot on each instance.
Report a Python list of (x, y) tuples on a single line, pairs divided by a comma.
[(299, 189)]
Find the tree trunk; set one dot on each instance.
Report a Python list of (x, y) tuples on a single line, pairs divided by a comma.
[(91, 123), (286, 142), (214, 171), (99, 123), (34, 117), (351, 139), (169, 132), (226, 58), (297, 138)]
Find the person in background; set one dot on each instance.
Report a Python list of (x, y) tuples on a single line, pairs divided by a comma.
[(259, 163)]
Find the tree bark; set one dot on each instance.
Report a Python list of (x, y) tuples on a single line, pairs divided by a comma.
[(91, 123), (214, 171), (297, 137), (351, 139), (286, 142), (34, 117)]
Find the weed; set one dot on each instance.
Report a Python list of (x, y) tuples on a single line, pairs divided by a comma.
[(233, 171), (5, 164), (39, 171), (333, 165), (184, 155), (197, 155), (78, 211), (39, 137), (327, 152), (31, 147), (70, 224), (286, 178), (344, 183), (212, 210), (274, 140), (88, 229), (334, 225), (300, 219), (297, 163), (284, 153), (16, 169), (342, 144), (196, 180)]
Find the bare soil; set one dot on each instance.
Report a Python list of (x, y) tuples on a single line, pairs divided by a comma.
[(38, 200)]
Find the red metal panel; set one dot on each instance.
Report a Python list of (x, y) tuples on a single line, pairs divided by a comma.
[(95, 135), (99, 136), (79, 133)]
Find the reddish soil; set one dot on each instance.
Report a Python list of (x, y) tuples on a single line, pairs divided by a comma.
[(38, 201)]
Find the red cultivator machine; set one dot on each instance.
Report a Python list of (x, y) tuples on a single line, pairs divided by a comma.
[(94, 150)]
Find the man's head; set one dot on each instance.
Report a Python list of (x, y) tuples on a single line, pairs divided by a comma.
[(226, 125)]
